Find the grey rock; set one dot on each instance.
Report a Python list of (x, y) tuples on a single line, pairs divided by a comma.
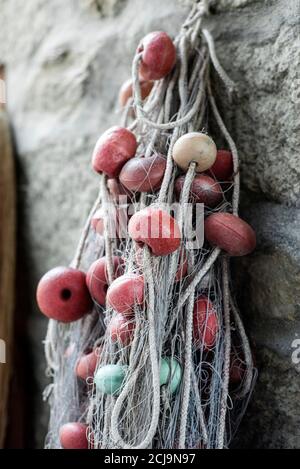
[(269, 292), (258, 46)]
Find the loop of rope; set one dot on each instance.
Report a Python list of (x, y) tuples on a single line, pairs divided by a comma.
[(246, 351), (230, 85), (233, 149), (198, 277)]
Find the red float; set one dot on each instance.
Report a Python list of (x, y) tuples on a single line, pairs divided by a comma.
[(62, 294), (205, 323), (116, 146), (73, 435), (204, 189), (230, 233), (97, 278), (222, 168), (158, 55), (121, 329), (156, 229), (126, 292), (143, 174), (86, 364), (126, 91)]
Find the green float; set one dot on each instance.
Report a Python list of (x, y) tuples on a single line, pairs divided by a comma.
[(170, 374)]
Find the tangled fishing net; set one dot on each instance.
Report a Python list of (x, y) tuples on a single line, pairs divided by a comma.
[(176, 392)]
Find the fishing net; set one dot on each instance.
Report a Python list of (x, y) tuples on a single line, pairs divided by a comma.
[(206, 407)]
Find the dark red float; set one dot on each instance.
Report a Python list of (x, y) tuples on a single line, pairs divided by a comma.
[(97, 277), (205, 323), (230, 233), (143, 174), (204, 189), (222, 168)]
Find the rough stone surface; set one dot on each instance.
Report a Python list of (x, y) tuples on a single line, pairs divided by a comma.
[(65, 64)]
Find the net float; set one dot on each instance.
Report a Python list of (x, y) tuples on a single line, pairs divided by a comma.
[(156, 229), (109, 379), (230, 233), (204, 190), (125, 292), (205, 323), (86, 365), (97, 277), (222, 169), (121, 329), (170, 374), (62, 294), (126, 91), (194, 147), (158, 55), (116, 146), (73, 435), (143, 174)]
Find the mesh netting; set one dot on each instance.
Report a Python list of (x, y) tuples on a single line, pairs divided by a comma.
[(206, 409)]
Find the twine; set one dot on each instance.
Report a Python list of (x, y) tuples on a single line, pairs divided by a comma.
[(145, 415)]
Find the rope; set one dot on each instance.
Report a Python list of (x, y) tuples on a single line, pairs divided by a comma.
[(227, 348), (155, 372)]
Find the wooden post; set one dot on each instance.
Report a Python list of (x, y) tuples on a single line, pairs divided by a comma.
[(7, 261)]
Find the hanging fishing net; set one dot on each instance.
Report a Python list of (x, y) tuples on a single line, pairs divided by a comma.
[(162, 359)]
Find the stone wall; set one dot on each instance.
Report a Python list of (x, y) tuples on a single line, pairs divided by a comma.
[(65, 63)]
